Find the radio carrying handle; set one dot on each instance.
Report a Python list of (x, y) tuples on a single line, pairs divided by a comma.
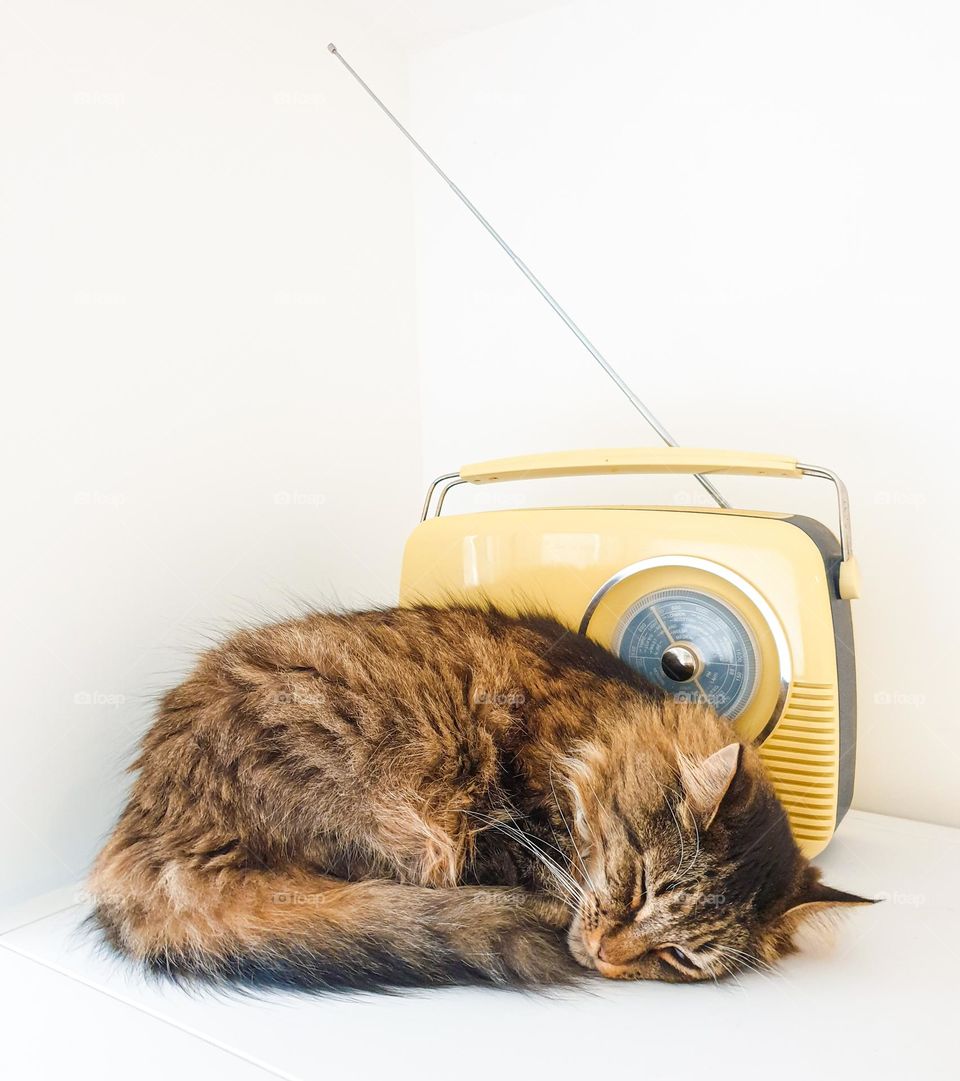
[(638, 460)]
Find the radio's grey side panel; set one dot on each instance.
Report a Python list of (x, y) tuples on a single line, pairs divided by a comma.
[(829, 548)]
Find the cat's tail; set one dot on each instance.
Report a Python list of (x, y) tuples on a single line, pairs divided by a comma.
[(303, 931)]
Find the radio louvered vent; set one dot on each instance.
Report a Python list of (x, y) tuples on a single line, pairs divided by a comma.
[(801, 758)]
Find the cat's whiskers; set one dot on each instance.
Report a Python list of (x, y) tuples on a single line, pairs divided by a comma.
[(731, 972), (602, 811), (542, 840), (743, 961), (672, 792), (510, 831), (736, 951), (568, 885), (573, 841), (681, 869), (696, 850)]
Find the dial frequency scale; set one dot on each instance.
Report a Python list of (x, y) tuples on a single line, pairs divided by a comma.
[(692, 644), (745, 610)]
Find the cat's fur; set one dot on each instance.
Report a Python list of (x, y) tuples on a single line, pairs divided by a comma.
[(426, 796)]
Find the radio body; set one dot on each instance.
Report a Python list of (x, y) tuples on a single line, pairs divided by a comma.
[(747, 610)]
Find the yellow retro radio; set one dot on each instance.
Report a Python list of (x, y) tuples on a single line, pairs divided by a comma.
[(746, 610)]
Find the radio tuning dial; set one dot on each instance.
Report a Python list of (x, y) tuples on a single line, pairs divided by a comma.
[(679, 663)]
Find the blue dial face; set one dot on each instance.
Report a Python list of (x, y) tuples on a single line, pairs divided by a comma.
[(692, 644)]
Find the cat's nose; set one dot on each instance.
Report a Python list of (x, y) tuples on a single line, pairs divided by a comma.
[(620, 949), (610, 954)]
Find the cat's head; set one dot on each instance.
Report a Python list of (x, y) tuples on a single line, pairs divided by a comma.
[(690, 875)]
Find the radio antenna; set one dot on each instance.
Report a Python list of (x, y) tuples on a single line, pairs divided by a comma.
[(534, 281)]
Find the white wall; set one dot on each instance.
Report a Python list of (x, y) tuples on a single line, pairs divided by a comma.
[(753, 209), (209, 400)]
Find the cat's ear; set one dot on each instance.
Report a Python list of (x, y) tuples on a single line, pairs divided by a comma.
[(817, 899), (707, 781)]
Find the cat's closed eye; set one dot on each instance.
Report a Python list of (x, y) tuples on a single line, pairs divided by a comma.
[(675, 954)]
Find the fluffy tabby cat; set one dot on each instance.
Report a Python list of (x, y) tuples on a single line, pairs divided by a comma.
[(425, 796)]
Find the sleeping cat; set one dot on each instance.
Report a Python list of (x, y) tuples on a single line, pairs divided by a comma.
[(423, 796)]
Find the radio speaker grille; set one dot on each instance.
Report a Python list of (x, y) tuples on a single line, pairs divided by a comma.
[(801, 757)]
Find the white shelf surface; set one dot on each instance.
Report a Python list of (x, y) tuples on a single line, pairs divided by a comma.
[(880, 1003)]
